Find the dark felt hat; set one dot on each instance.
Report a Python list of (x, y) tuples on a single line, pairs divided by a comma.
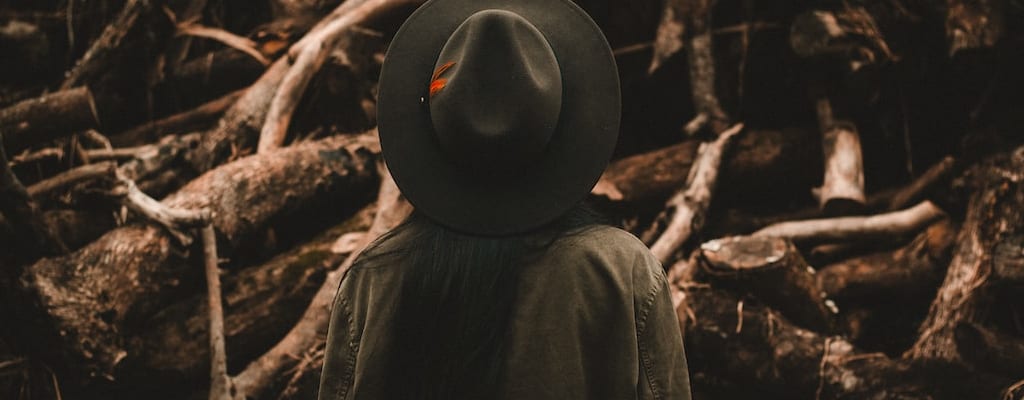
[(496, 117)]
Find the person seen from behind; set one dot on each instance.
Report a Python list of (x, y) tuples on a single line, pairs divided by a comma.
[(496, 119)]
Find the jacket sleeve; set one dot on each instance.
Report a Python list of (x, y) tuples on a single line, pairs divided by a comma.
[(342, 347), (663, 370)]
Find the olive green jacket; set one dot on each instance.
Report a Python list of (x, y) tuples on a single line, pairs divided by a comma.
[(593, 320)]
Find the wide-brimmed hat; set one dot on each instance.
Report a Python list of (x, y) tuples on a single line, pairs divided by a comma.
[(496, 117)]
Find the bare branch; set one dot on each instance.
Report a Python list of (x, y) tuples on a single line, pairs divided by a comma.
[(688, 206), (882, 226), (232, 40)]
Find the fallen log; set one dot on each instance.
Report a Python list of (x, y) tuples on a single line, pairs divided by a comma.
[(911, 271), (261, 303), (93, 296), (876, 227), (48, 117), (773, 271), (994, 213), (756, 155), (773, 358)]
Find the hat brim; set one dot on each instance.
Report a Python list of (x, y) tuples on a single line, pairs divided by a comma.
[(576, 156)]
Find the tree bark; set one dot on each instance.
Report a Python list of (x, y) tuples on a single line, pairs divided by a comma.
[(92, 296), (784, 360), (756, 155), (261, 304), (772, 270), (912, 271), (993, 216), (47, 117)]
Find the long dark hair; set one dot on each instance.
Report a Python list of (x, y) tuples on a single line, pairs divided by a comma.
[(456, 302)]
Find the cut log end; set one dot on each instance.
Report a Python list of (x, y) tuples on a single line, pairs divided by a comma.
[(772, 270)]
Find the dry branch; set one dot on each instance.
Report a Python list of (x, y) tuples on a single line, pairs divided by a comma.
[(99, 56), (309, 55), (178, 50), (175, 220), (311, 330), (772, 270), (993, 216), (686, 209), (48, 117), (220, 384), (132, 271), (243, 44), (70, 177), (877, 227), (150, 131), (907, 195)]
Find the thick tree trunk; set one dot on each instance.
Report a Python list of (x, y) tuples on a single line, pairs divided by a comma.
[(84, 302), (46, 118), (994, 216), (760, 161)]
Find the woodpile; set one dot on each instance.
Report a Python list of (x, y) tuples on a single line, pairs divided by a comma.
[(836, 191)]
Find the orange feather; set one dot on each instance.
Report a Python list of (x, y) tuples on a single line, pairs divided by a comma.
[(436, 82)]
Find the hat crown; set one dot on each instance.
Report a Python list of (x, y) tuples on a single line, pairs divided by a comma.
[(497, 93)]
